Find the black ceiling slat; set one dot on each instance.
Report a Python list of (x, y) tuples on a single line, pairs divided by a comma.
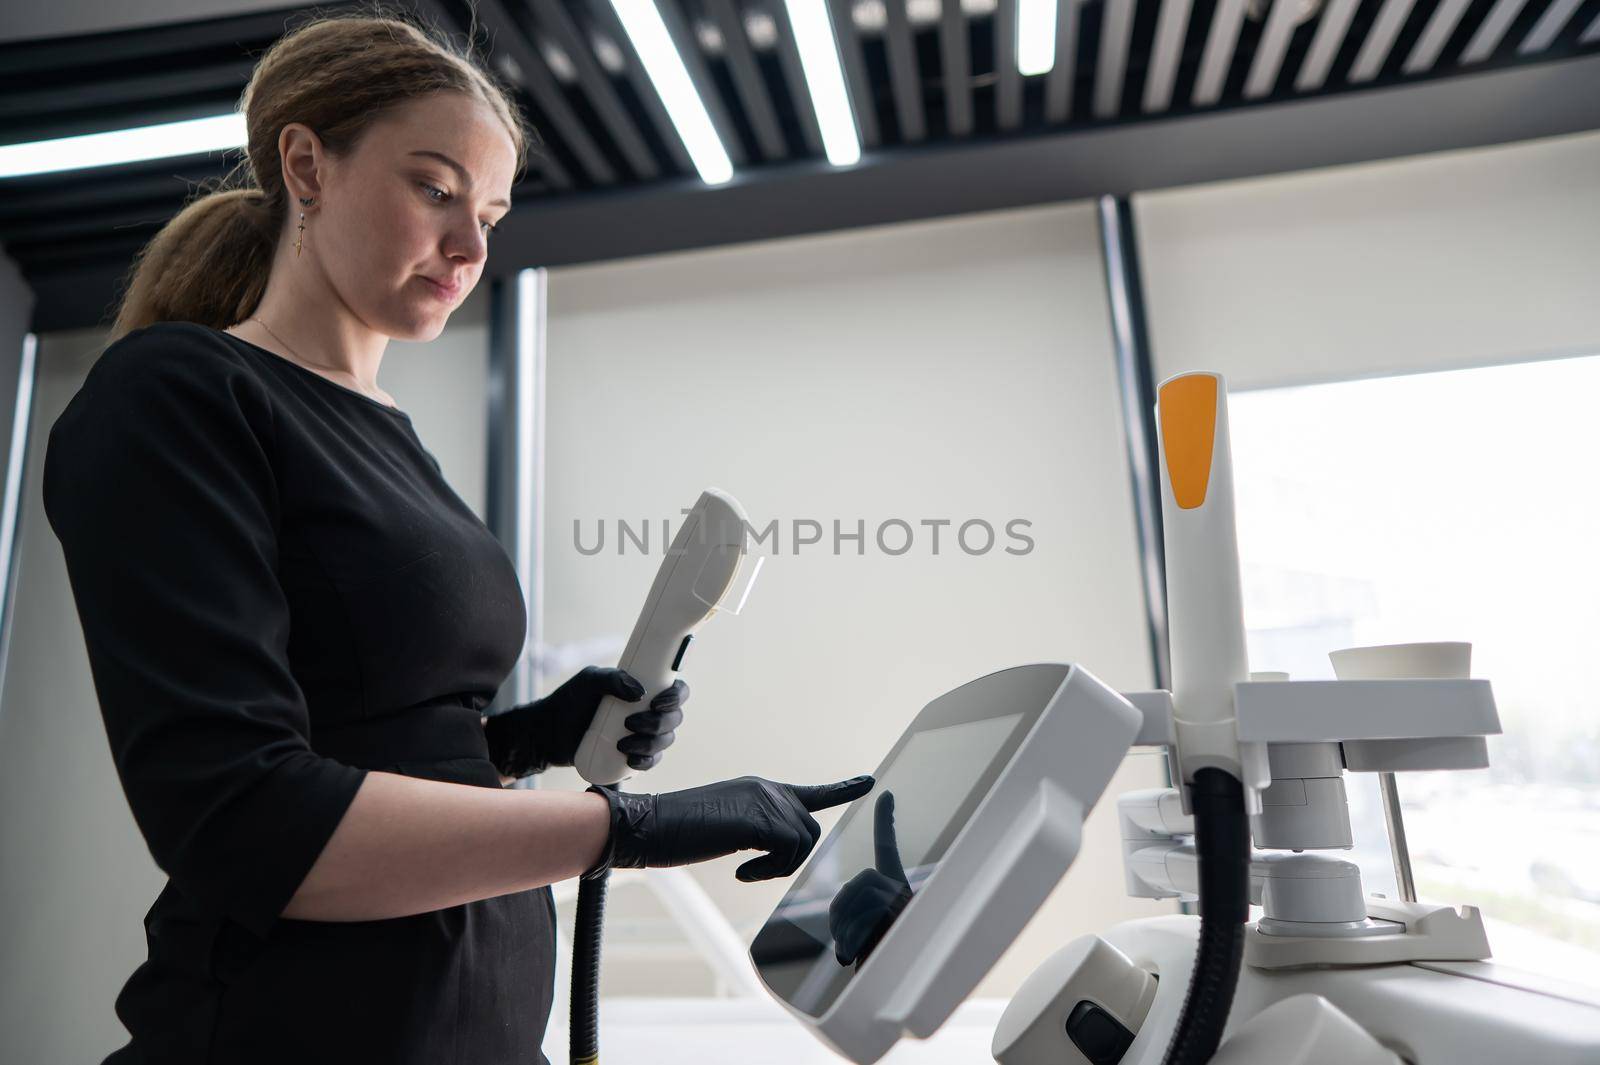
[(1221, 52), (1083, 68), (748, 82), (664, 144), (1450, 54), (1194, 43), (683, 39), (506, 37), (905, 79), (206, 81), (53, 193), (1058, 89), (1509, 49), (568, 137), (541, 154), (956, 67), (1585, 22), (1249, 38), (875, 54), (1425, 50), (22, 61), (982, 76), (848, 43), (925, 44), (583, 108), (1299, 48), (774, 76), (1558, 15), (1008, 87), (1141, 50), (1381, 41), (551, 16), (1270, 52), (1111, 58), (1406, 41), (1033, 102), (1165, 56), (644, 90), (532, 187), (722, 84), (794, 76), (1485, 43), (1333, 21), (1355, 36)]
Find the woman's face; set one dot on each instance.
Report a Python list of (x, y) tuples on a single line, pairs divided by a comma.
[(396, 213)]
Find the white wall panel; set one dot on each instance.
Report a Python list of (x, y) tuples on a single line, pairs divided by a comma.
[(958, 369)]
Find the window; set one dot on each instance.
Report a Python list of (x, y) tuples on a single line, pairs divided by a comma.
[(1458, 505)]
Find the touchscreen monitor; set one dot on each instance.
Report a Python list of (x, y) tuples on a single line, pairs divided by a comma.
[(886, 846)]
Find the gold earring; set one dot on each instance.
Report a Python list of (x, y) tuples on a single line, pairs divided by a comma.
[(306, 202)]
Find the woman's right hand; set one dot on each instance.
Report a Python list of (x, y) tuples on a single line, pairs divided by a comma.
[(697, 824)]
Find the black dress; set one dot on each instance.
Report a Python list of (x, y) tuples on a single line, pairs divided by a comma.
[(279, 592)]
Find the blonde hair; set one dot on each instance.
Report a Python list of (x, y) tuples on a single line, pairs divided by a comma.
[(337, 74)]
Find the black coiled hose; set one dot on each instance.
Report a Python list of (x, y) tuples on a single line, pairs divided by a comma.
[(584, 1019), (1222, 843)]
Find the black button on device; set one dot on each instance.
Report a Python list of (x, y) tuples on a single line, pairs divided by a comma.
[(682, 647), (1096, 1033)]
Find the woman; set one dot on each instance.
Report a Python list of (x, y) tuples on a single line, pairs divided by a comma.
[(293, 623)]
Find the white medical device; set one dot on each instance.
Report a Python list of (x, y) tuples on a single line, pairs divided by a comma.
[(696, 579), (999, 774), (991, 784)]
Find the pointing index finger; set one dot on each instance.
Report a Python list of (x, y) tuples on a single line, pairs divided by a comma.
[(816, 797)]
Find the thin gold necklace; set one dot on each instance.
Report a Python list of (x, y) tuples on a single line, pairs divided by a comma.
[(308, 362)]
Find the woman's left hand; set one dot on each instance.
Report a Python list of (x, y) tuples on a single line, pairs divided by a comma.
[(532, 737), (652, 730)]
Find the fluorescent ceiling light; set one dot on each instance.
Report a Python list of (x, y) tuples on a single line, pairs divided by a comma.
[(189, 137), (819, 57), (1036, 35), (664, 65)]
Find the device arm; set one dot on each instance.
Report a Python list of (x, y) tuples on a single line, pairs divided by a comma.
[(1291, 887)]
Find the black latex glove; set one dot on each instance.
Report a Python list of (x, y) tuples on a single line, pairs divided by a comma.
[(532, 737), (749, 813), (866, 906)]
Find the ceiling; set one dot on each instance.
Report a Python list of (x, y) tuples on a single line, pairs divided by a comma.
[(1144, 93)]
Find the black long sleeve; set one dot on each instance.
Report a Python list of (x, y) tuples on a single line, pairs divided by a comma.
[(280, 593), (157, 481)]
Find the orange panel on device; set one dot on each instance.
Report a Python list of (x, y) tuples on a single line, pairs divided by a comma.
[(1188, 434)]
